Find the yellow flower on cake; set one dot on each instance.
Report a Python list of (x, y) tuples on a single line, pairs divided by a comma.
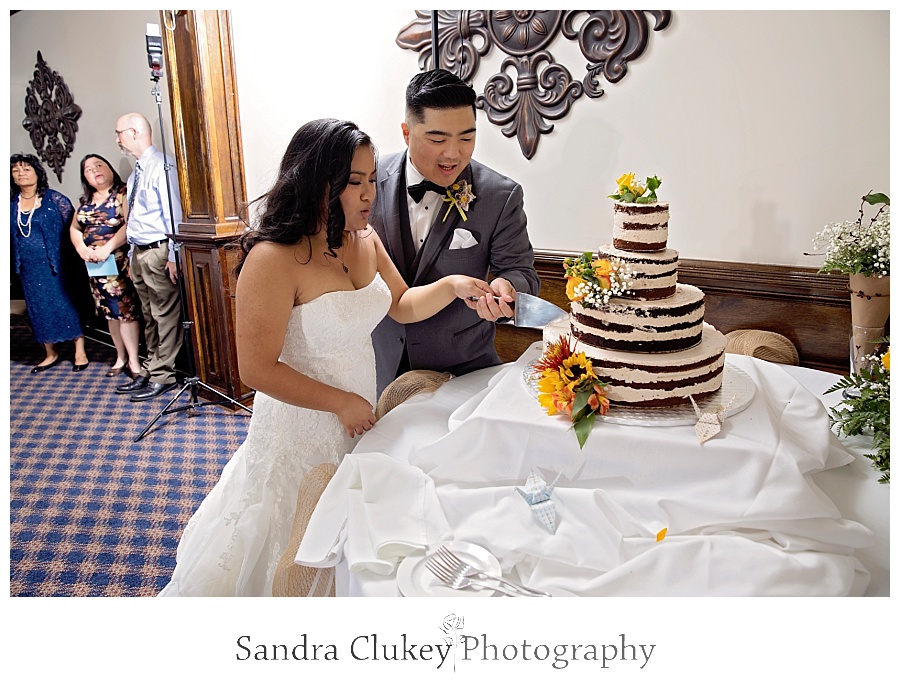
[(577, 368), (886, 360), (625, 181), (572, 291), (629, 191), (603, 272)]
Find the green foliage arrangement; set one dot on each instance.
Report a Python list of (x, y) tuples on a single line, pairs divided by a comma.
[(868, 407)]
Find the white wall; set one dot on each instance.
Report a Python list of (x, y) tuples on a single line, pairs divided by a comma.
[(763, 125), (102, 57)]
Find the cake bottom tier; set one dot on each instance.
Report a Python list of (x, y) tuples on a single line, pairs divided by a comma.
[(661, 379)]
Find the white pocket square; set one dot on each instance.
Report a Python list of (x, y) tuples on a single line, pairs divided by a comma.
[(462, 238)]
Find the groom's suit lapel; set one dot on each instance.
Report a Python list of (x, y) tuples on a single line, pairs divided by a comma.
[(439, 235), (396, 217)]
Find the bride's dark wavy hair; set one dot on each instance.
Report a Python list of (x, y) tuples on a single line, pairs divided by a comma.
[(314, 172)]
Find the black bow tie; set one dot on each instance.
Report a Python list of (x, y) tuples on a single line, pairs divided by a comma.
[(417, 191)]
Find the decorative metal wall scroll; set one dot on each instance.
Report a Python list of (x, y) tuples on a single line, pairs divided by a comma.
[(543, 89), (51, 116)]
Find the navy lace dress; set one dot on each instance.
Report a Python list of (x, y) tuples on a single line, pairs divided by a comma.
[(39, 258)]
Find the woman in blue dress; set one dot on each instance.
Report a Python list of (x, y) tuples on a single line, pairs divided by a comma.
[(39, 221)]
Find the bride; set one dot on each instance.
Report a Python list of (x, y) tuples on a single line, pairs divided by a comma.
[(314, 282)]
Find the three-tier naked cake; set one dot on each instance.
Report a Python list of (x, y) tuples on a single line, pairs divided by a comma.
[(646, 336)]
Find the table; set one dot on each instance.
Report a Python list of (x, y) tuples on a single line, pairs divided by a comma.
[(773, 505)]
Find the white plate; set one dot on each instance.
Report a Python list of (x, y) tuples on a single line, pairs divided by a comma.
[(414, 580)]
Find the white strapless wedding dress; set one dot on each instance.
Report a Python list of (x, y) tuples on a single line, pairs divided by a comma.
[(234, 540)]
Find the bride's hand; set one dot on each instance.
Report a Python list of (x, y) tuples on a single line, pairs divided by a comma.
[(468, 288), (356, 415)]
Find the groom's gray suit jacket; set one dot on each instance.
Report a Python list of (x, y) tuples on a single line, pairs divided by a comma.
[(454, 340)]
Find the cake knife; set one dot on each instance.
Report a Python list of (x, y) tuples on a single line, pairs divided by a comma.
[(531, 311)]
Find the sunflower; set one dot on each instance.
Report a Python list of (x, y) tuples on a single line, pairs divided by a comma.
[(577, 368)]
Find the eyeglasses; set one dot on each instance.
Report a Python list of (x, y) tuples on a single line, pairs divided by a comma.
[(119, 133)]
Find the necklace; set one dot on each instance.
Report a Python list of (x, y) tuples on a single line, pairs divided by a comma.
[(25, 225), (28, 198), (333, 254)]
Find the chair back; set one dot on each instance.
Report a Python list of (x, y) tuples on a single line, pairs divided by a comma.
[(291, 579), (408, 385), (768, 346)]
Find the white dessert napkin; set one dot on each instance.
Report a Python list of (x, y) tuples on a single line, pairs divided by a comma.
[(462, 238), (394, 512)]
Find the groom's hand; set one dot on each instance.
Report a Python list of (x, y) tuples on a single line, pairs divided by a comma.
[(501, 304)]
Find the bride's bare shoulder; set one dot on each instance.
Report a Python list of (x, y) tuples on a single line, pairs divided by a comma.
[(268, 255)]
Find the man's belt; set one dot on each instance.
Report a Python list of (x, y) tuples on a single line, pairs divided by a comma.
[(154, 244)]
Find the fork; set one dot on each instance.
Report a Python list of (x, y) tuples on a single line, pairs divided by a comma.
[(466, 569), (453, 579)]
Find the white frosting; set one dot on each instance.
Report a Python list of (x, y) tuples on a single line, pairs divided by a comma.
[(645, 317), (647, 275), (649, 228), (637, 368)]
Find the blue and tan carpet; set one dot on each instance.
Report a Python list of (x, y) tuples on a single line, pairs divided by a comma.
[(92, 512)]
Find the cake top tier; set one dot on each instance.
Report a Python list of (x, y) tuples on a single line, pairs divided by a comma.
[(640, 226)]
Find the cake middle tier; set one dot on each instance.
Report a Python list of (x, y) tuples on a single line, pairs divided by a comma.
[(663, 379), (670, 324), (655, 274)]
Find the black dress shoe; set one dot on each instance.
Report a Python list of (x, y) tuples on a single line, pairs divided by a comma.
[(154, 389), (42, 368), (78, 367), (137, 384)]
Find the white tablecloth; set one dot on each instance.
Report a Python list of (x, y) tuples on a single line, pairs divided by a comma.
[(773, 505)]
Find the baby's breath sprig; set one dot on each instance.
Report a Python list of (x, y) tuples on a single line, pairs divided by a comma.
[(595, 281), (858, 248)]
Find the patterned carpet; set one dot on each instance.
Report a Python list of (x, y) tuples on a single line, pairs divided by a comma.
[(93, 513)]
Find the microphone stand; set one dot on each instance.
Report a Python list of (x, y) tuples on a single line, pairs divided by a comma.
[(192, 382)]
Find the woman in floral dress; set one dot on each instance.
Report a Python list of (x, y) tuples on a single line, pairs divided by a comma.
[(98, 231)]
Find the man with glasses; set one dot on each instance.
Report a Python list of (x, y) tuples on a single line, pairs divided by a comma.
[(153, 268)]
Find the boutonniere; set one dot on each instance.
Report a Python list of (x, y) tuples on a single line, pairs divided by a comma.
[(459, 194)]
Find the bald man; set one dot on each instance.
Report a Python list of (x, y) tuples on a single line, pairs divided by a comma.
[(152, 255)]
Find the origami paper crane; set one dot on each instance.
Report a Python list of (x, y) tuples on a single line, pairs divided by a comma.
[(537, 493), (709, 423)]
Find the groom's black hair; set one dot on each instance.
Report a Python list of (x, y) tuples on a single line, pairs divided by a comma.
[(437, 89)]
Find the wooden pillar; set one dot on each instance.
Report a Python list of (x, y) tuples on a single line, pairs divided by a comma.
[(206, 125)]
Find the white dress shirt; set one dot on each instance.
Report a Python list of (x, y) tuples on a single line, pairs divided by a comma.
[(421, 214), (149, 219)]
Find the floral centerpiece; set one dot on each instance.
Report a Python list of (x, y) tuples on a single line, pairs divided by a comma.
[(856, 247), (568, 384), (629, 191), (868, 407), (862, 250)]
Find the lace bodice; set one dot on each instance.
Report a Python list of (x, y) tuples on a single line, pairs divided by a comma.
[(329, 337)]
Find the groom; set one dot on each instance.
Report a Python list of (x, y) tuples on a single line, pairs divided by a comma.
[(438, 212)]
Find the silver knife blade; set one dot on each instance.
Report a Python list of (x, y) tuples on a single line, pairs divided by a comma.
[(531, 311)]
